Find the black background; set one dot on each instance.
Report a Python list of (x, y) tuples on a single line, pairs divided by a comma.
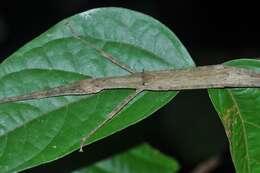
[(187, 128)]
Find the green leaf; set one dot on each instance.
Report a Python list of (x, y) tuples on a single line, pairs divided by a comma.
[(141, 159), (239, 110), (38, 131)]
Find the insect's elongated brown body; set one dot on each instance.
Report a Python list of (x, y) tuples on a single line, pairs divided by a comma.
[(217, 76)]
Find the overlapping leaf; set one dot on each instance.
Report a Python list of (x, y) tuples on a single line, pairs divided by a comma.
[(239, 110), (38, 131), (141, 159)]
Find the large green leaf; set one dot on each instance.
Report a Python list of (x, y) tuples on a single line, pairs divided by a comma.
[(38, 131), (239, 110), (141, 159)]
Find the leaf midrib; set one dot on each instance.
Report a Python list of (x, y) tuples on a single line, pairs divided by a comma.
[(243, 128)]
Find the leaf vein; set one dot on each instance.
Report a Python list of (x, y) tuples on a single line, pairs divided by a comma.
[(252, 124), (247, 158)]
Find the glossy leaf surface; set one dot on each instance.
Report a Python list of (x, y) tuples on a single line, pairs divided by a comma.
[(239, 110), (38, 131), (141, 159)]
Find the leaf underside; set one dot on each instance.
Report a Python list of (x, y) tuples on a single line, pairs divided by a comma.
[(38, 131), (141, 159), (239, 110)]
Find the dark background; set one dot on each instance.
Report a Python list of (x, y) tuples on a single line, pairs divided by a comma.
[(187, 128)]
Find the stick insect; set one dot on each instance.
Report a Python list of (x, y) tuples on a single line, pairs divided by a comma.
[(215, 76)]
